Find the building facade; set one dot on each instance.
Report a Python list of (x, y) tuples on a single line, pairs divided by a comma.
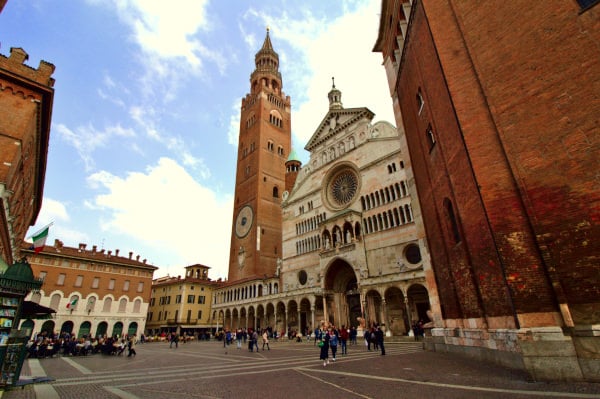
[(352, 253), (499, 104), (26, 98), (182, 304), (93, 291)]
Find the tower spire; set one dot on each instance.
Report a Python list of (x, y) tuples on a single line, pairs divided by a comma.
[(335, 96)]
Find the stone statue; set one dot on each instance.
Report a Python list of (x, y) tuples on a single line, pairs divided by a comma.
[(326, 242), (348, 237), (361, 322)]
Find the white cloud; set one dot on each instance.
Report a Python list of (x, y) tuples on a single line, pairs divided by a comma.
[(234, 124), (180, 221), (86, 139)]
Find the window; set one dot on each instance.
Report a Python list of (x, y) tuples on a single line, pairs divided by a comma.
[(275, 192), (96, 282), (430, 137), (111, 284), (126, 285), (420, 101), (199, 315), (42, 275), (191, 298), (280, 150), (79, 281), (413, 254), (140, 286), (178, 299), (122, 305), (61, 279), (201, 299), (451, 220), (107, 305), (270, 146)]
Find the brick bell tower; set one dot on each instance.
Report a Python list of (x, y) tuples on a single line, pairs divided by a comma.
[(263, 147)]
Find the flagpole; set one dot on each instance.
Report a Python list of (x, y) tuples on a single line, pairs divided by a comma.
[(40, 230)]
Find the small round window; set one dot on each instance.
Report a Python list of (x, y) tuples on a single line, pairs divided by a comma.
[(413, 254), (302, 277)]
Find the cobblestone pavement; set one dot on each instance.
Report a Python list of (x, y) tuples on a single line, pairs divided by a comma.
[(289, 370)]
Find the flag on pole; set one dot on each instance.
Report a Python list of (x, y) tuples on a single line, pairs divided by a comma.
[(39, 239), (72, 304)]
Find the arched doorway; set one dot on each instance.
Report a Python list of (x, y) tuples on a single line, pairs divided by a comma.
[(418, 300), (84, 329), (48, 328), (117, 329), (102, 329), (133, 326), (306, 323), (373, 309), (397, 317), (342, 298), (67, 327), (281, 322), (292, 317)]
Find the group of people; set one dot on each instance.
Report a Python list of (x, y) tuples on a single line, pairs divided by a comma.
[(42, 345), (374, 337), (329, 337), (250, 336)]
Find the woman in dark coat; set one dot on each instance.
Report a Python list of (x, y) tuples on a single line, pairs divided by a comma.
[(325, 348)]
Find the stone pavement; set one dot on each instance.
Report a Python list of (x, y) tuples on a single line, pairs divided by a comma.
[(289, 370)]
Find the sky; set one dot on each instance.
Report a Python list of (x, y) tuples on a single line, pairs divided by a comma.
[(145, 121)]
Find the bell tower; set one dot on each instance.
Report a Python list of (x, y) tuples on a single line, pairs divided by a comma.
[(264, 144)]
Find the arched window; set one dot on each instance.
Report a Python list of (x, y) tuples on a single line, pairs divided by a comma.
[(107, 304), (275, 192), (122, 305)]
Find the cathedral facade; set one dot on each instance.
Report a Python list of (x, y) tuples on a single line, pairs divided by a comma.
[(352, 252)]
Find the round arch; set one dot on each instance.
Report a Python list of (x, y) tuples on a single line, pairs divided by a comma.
[(117, 329), (397, 320), (341, 304), (67, 327), (48, 328), (102, 329), (84, 329)]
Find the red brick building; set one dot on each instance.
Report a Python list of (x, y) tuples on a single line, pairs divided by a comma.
[(26, 98), (263, 148), (500, 104)]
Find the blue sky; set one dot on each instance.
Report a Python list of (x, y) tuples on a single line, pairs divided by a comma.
[(147, 100)]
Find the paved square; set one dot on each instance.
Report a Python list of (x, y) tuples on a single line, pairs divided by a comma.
[(289, 370)]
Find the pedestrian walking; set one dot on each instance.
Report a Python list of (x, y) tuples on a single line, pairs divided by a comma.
[(344, 334), (379, 339), (333, 341), (174, 340), (255, 340), (324, 347), (131, 346), (238, 338), (265, 339)]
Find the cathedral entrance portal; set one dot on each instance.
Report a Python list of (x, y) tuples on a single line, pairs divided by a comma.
[(342, 298)]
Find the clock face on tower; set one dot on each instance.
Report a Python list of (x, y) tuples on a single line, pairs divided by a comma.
[(244, 220)]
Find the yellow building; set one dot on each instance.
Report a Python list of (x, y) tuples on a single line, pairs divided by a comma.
[(181, 304)]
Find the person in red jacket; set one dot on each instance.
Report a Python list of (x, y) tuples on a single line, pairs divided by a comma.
[(344, 334)]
